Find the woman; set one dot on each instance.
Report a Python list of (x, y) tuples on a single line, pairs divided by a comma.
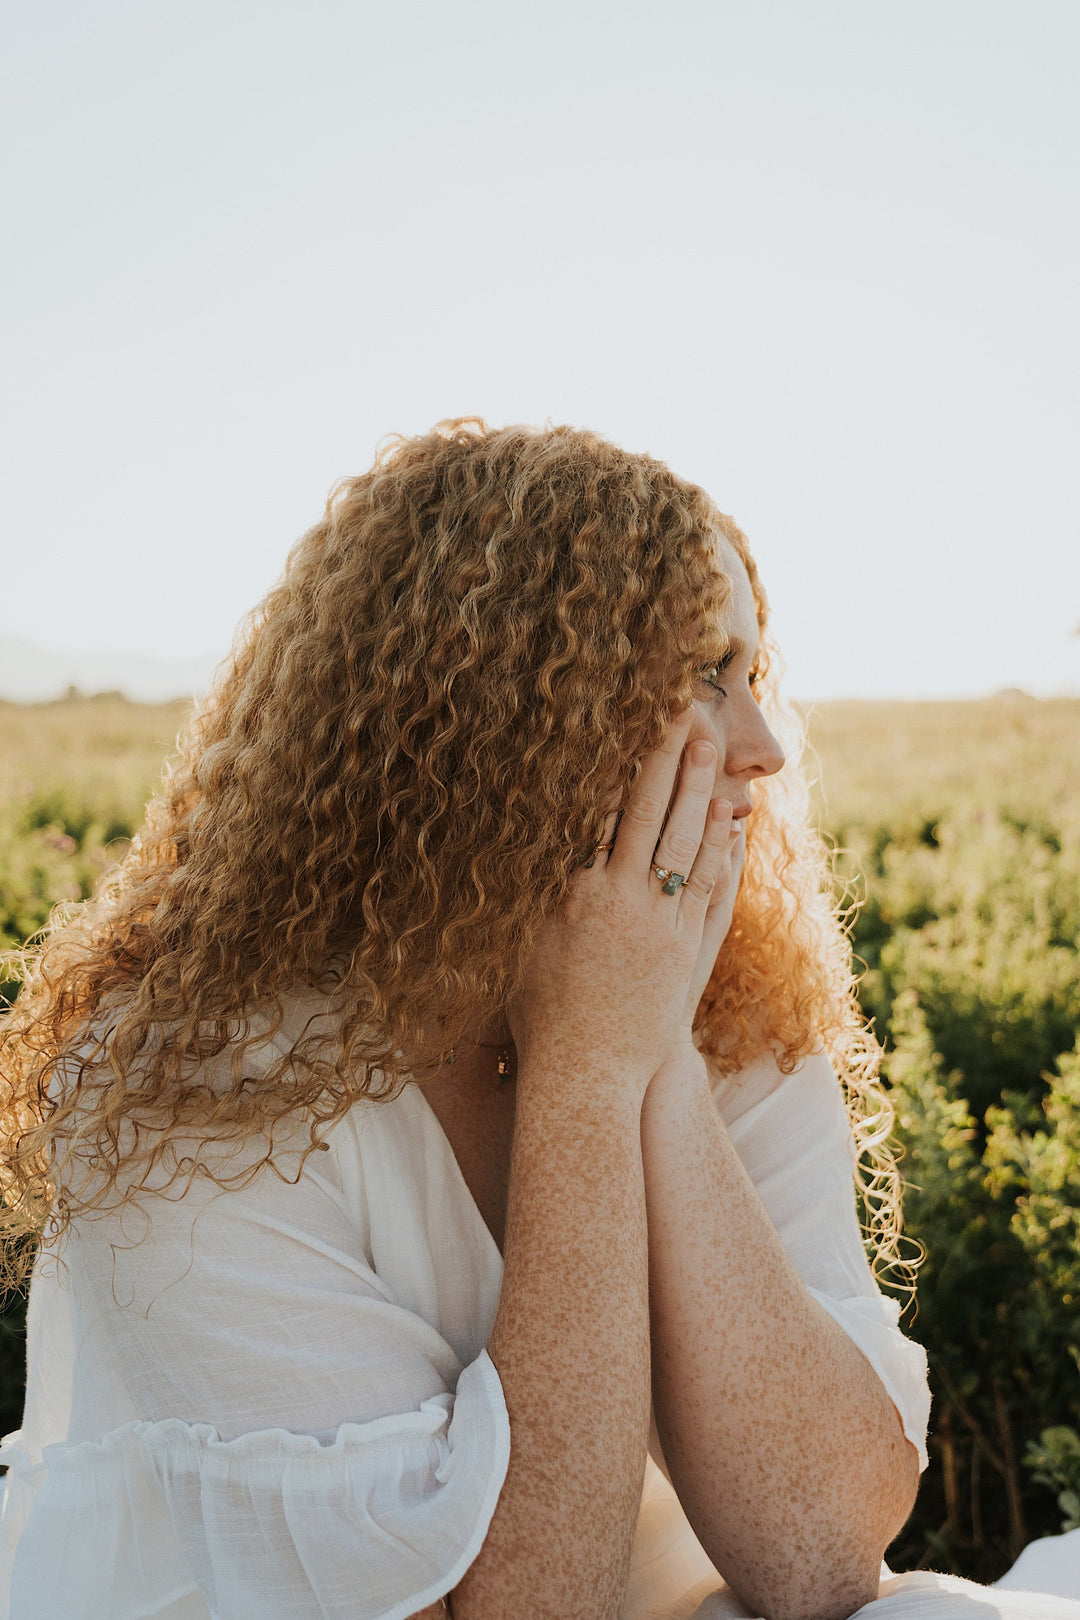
[(424, 1091)]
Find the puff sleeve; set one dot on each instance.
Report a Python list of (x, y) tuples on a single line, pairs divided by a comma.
[(793, 1136), (259, 1423)]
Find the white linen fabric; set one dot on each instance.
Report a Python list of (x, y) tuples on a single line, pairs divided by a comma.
[(1051, 1564), (276, 1401)]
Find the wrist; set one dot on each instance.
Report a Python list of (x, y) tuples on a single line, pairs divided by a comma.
[(683, 1069), (555, 1078)]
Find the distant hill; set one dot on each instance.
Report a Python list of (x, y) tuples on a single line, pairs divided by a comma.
[(30, 674)]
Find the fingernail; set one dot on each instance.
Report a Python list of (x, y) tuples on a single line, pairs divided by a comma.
[(721, 809), (702, 753)]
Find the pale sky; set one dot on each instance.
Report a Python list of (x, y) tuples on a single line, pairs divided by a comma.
[(820, 257)]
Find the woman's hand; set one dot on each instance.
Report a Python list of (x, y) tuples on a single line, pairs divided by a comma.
[(717, 923), (612, 970)]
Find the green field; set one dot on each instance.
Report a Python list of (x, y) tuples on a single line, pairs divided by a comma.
[(958, 828)]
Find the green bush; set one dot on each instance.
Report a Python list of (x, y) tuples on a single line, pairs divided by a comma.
[(996, 1207), (960, 829), (1055, 1460)]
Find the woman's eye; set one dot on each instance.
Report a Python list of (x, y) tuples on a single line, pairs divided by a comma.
[(711, 677)]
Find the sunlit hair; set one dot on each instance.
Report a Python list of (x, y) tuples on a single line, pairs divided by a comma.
[(398, 772)]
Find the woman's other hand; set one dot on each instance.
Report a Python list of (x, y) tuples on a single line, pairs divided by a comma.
[(717, 923)]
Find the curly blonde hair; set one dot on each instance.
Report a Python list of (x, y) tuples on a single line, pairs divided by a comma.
[(393, 781)]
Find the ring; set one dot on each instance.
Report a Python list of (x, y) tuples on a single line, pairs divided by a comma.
[(672, 881), (598, 850)]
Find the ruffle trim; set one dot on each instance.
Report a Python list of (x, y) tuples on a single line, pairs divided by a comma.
[(380, 1522)]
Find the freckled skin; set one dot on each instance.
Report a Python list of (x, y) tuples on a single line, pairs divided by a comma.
[(638, 1257), (787, 1454), (567, 1355)]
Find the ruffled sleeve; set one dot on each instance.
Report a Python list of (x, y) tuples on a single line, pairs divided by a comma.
[(381, 1520), (260, 1425), (793, 1136)]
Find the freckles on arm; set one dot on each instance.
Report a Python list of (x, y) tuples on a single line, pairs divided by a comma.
[(784, 1448)]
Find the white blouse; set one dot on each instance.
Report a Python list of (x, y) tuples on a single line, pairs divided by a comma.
[(275, 1403)]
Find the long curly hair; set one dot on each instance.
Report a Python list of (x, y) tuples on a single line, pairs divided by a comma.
[(399, 769)]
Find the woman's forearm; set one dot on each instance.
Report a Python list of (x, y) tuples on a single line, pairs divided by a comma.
[(785, 1450), (571, 1344)]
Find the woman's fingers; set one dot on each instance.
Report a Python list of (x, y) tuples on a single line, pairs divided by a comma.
[(619, 940), (713, 857), (643, 818), (611, 827), (602, 851), (680, 840), (671, 819)]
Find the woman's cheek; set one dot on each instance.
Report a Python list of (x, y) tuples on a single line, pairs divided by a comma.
[(706, 723)]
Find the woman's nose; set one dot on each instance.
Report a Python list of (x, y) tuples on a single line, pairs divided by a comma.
[(752, 749)]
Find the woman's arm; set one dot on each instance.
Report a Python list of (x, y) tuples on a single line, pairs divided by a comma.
[(785, 1450), (600, 1010), (571, 1343)]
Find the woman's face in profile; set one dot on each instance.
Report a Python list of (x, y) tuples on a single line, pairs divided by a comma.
[(725, 709)]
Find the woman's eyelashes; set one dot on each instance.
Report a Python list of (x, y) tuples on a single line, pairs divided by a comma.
[(712, 673)]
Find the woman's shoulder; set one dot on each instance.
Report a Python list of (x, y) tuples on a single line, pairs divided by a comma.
[(157, 1128), (268, 1031)]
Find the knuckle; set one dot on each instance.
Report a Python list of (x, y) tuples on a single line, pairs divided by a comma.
[(681, 847), (646, 808)]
